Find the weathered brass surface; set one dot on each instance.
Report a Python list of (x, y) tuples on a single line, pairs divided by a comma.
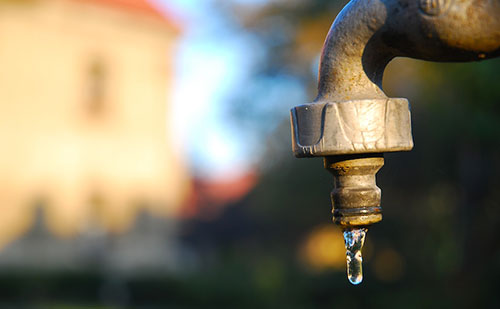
[(358, 126), (367, 34), (355, 197), (352, 115)]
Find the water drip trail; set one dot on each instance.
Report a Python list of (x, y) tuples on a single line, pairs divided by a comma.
[(354, 239)]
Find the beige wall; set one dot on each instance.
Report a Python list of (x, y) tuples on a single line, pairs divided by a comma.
[(53, 147)]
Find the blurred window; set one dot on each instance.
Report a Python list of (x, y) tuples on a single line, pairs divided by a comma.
[(97, 80)]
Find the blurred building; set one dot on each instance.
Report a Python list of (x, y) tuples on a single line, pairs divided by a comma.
[(84, 134)]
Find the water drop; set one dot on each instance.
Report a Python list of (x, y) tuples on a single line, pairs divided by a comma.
[(354, 240)]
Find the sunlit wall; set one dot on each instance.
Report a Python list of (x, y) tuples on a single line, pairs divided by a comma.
[(85, 113)]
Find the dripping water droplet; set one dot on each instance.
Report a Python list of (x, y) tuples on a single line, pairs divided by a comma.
[(354, 240)]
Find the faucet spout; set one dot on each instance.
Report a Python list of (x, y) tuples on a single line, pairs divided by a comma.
[(352, 122), (368, 34)]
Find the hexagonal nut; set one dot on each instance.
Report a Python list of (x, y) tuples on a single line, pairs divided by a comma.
[(351, 127)]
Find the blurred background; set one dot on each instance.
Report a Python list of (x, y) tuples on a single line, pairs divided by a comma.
[(145, 162)]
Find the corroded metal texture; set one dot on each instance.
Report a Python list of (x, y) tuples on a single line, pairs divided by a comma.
[(351, 114), (359, 126), (367, 34)]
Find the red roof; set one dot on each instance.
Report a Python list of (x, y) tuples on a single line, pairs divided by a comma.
[(210, 196), (144, 7)]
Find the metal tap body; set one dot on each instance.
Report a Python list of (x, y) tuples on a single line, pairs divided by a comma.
[(352, 121)]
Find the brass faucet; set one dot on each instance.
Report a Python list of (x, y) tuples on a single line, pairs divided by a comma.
[(352, 122)]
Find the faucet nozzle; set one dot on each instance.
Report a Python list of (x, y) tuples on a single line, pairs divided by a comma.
[(355, 196)]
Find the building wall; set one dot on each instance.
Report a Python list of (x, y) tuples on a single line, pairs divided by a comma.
[(84, 116)]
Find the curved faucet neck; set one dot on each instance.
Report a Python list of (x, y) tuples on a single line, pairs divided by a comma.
[(368, 34), (343, 73)]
